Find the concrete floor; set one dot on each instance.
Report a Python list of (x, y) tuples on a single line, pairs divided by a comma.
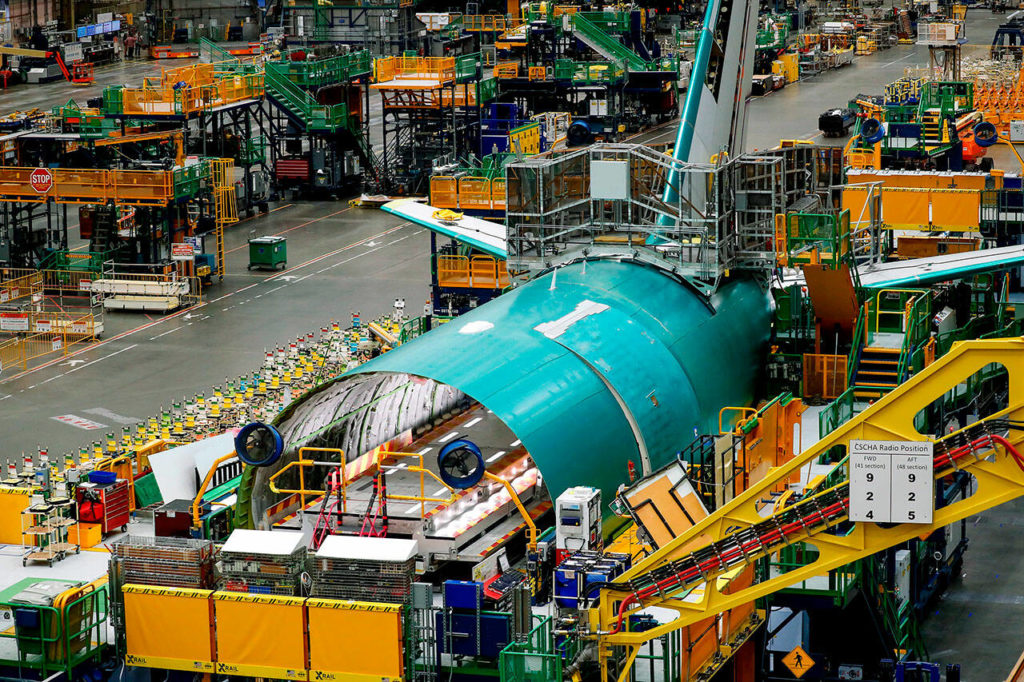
[(344, 259)]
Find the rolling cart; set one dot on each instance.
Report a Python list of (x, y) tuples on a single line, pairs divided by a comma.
[(268, 253)]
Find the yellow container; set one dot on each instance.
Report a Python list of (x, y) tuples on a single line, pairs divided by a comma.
[(791, 66), (86, 534)]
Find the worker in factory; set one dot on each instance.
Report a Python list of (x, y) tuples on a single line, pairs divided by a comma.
[(130, 45)]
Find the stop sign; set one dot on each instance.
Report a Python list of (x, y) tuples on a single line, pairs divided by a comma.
[(41, 180)]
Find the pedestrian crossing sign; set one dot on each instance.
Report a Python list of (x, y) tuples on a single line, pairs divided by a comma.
[(798, 662)]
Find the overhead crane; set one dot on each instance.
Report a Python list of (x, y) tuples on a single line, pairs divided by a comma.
[(754, 526)]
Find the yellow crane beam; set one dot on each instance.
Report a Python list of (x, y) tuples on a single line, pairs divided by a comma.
[(995, 465)]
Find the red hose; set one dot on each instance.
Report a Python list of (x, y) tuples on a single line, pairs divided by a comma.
[(721, 561)]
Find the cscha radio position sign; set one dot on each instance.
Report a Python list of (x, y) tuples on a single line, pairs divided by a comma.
[(41, 180)]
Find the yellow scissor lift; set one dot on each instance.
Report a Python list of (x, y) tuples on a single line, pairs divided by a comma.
[(691, 574)]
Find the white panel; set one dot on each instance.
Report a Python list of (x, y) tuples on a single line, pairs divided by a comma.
[(609, 179)]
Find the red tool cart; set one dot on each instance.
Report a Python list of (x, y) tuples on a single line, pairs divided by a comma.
[(104, 503)]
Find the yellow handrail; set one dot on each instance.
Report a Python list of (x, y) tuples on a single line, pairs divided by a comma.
[(197, 503), (744, 413), (905, 313), (530, 525)]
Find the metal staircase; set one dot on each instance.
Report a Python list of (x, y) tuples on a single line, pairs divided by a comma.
[(876, 372), (605, 45), (302, 108)]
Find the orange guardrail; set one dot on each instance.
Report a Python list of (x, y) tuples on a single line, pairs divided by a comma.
[(478, 272), (429, 97), (498, 194), (414, 68), (444, 192), (188, 90), (88, 186), (483, 22), (506, 70), (66, 281), (467, 193), (475, 193)]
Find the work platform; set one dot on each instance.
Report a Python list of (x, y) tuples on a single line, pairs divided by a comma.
[(448, 525)]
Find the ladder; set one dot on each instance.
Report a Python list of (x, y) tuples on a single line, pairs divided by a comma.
[(225, 205)]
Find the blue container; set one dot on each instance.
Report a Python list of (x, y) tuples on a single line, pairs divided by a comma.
[(102, 477), (463, 594), (567, 587)]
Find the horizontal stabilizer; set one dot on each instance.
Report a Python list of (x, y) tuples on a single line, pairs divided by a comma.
[(482, 235)]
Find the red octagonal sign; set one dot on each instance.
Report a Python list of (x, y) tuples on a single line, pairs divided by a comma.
[(41, 180)]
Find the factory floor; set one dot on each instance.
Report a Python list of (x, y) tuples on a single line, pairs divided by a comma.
[(342, 260)]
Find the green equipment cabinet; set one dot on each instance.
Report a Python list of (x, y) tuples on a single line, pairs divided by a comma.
[(268, 253)]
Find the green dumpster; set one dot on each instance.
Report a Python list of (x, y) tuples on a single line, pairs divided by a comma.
[(267, 253)]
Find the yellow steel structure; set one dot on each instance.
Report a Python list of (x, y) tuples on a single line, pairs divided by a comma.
[(350, 472), (225, 205), (998, 476)]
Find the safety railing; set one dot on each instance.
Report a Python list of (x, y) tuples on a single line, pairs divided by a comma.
[(414, 68), (196, 89), (837, 412), (538, 658), (211, 53), (321, 72), (937, 34), (899, 310), (906, 90), (19, 352), (183, 292), (477, 272), (467, 66), (950, 97), (506, 70), (88, 186), (73, 323), (301, 103), (468, 193), (818, 238), (860, 339), (411, 329), (900, 616), (22, 286), (838, 584), (913, 321), (484, 23), (588, 72), (486, 90)]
